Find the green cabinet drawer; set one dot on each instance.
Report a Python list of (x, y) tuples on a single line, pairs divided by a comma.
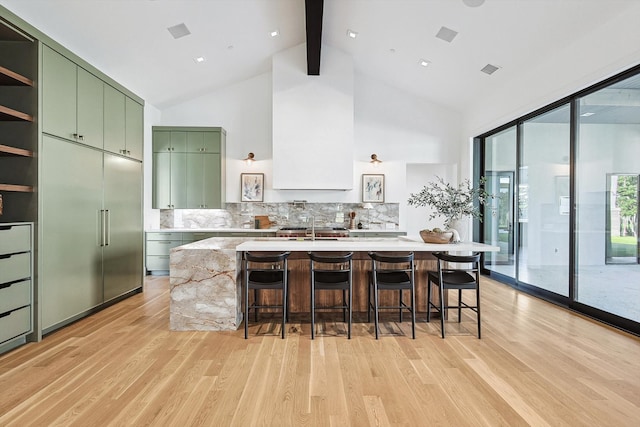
[(15, 267), (164, 236), (15, 323), (161, 247), (15, 238), (157, 262), (15, 295)]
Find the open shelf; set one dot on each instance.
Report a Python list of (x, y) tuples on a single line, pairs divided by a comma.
[(6, 150), (10, 78), (8, 114), (16, 188)]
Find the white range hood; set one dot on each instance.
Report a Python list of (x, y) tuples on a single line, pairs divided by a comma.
[(312, 121)]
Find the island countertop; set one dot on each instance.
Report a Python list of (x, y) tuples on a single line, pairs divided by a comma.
[(206, 276), (402, 243)]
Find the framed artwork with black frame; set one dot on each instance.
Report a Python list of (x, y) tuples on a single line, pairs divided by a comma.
[(372, 188)]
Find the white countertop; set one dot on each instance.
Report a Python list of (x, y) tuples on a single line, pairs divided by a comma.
[(361, 244), (211, 230), (248, 230)]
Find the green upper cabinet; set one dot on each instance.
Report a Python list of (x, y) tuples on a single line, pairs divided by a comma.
[(59, 94), (123, 124), (188, 168), (90, 112), (80, 107), (203, 142), (72, 100), (114, 120), (203, 181), (134, 130)]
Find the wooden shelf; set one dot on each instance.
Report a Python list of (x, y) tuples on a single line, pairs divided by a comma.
[(6, 150), (16, 188), (9, 78), (7, 114)]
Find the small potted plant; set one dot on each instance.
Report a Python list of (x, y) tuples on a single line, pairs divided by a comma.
[(451, 202)]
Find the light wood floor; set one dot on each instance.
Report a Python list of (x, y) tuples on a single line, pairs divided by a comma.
[(535, 365)]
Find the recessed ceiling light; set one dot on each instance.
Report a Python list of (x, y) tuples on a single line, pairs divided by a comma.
[(275, 33), (352, 34), (200, 59), (446, 34), (490, 69), (424, 62), (587, 114), (179, 30), (473, 3)]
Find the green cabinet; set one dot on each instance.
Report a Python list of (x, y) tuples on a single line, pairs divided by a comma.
[(91, 230), (134, 128), (72, 100), (114, 120), (80, 107), (16, 278), (188, 168), (203, 181)]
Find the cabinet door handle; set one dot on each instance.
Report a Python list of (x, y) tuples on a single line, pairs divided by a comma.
[(108, 227), (103, 237)]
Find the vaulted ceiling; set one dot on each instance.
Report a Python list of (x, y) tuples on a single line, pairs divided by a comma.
[(129, 40)]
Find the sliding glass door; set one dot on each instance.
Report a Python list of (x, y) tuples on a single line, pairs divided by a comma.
[(543, 254), (499, 217), (565, 215), (607, 170)]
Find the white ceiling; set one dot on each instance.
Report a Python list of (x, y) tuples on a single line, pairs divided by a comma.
[(128, 40)]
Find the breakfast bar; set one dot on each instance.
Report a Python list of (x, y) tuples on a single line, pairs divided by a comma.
[(206, 276)]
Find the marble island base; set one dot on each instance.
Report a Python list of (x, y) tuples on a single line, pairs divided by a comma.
[(205, 293)]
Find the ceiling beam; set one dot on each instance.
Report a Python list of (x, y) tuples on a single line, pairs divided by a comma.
[(313, 12)]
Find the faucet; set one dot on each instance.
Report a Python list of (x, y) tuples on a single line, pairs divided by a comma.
[(313, 227)]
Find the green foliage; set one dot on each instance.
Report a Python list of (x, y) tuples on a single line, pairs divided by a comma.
[(627, 201), (451, 202)]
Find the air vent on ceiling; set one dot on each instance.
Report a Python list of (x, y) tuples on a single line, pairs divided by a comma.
[(179, 30), (489, 69), (446, 34)]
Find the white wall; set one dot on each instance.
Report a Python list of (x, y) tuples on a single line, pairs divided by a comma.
[(399, 127), (599, 53)]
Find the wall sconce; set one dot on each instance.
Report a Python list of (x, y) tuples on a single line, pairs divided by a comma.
[(249, 159), (374, 160)]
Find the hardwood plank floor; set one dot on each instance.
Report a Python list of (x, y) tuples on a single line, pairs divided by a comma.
[(536, 365)]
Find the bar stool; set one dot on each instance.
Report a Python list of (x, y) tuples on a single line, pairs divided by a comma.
[(392, 273), (467, 278), (331, 272), (265, 271)]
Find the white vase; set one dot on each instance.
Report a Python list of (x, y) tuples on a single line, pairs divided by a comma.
[(460, 227)]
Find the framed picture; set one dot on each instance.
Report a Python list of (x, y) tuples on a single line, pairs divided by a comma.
[(372, 188), (252, 187)]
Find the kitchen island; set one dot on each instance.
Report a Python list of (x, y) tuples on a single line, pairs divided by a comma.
[(206, 276)]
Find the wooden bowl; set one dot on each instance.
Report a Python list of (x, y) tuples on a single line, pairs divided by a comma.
[(435, 237)]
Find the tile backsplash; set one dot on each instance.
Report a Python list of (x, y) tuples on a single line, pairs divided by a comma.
[(287, 214)]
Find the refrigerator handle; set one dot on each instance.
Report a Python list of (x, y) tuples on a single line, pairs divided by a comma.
[(102, 227), (107, 223)]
